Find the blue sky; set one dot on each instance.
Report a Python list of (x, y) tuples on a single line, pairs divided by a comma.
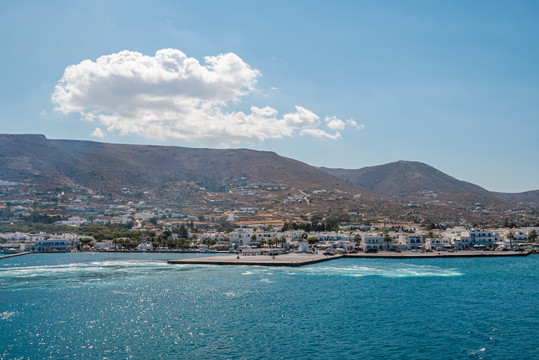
[(349, 84)]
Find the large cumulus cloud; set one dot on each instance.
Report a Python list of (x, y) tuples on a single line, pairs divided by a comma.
[(171, 96)]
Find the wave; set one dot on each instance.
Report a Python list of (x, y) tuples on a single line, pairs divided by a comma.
[(386, 270), (94, 271)]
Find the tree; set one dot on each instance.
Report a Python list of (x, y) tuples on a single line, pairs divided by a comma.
[(313, 240), (87, 241), (357, 240), (282, 240), (209, 242), (387, 240), (183, 233), (511, 237), (532, 236)]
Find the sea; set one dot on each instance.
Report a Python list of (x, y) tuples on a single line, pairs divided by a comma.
[(136, 306)]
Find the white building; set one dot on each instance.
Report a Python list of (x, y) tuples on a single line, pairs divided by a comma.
[(244, 237), (144, 246), (372, 241), (437, 243), (73, 221), (410, 241), (50, 245), (475, 238), (104, 245), (520, 236), (331, 236)]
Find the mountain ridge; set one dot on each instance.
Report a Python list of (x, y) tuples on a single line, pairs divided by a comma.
[(219, 181), (405, 178)]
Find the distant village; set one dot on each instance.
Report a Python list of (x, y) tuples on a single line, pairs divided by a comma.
[(244, 239), (76, 220)]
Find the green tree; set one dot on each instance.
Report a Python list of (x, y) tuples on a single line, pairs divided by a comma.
[(183, 232), (387, 240), (209, 242), (357, 240), (87, 242), (313, 240), (282, 240), (511, 237), (532, 236)]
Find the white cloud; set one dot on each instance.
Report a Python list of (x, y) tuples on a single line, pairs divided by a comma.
[(170, 96), (98, 133), (334, 123), (321, 134), (355, 124)]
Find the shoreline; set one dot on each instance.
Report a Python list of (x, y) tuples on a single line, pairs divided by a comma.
[(439, 254), (17, 254), (296, 259)]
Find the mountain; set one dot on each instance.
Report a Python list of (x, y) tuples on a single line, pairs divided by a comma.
[(86, 177), (413, 180), (529, 197), (405, 178), (102, 166)]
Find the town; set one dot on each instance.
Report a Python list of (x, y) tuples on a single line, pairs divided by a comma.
[(76, 219), (246, 238)]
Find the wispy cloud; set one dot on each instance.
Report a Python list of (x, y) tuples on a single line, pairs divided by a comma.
[(321, 134), (98, 133), (171, 96)]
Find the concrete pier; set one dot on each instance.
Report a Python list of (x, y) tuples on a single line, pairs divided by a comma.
[(259, 260), (13, 255), (296, 259)]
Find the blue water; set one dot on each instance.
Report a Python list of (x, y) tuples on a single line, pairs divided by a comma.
[(136, 306)]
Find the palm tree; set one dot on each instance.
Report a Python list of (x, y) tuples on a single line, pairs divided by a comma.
[(532, 236), (282, 240), (387, 240), (511, 237), (357, 240)]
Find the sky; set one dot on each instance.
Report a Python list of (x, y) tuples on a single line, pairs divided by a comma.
[(347, 84)]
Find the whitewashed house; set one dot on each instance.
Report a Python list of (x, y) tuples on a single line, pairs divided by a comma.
[(410, 241), (372, 241), (477, 238), (51, 245), (437, 243)]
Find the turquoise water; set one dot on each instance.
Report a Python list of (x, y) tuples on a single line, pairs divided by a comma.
[(136, 306)]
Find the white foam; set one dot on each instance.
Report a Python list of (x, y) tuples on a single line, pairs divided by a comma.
[(6, 315), (387, 270)]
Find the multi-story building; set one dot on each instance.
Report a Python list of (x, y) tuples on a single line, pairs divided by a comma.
[(477, 238), (410, 241), (372, 241)]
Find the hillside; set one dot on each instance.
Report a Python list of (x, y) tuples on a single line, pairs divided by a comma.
[(529, 197), (414, 180), (102, 166), (404, 178), (85, 177)]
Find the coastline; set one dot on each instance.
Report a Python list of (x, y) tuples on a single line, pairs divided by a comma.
[(296, 259), (17, 254)]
